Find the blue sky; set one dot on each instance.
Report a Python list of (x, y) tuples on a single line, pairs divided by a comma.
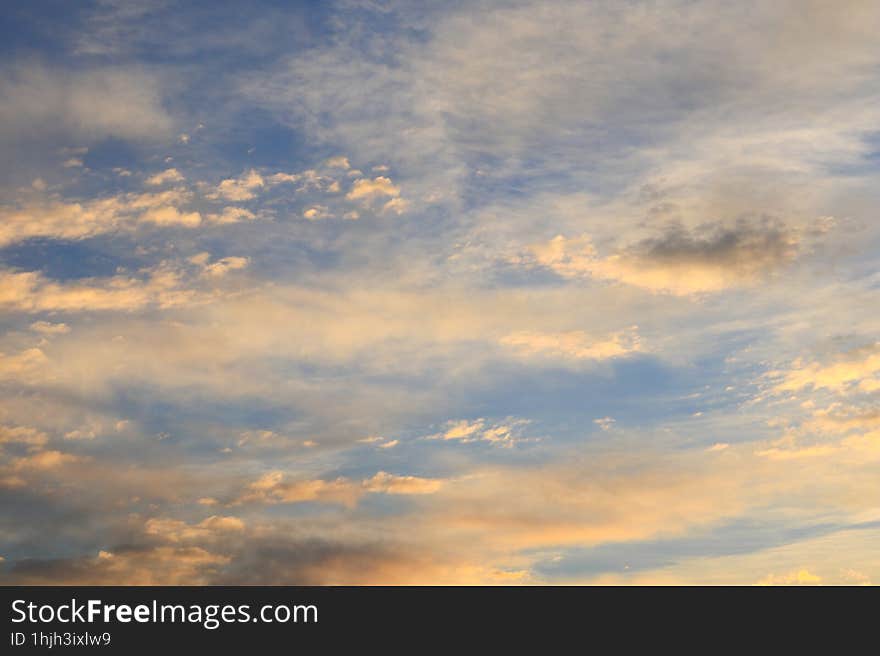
[(470, 292)]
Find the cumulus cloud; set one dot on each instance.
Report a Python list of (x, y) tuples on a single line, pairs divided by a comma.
[(231, 215), (316, 213), (501, 433), (60, 220), (273, 488), (164, 177), (682, 262), (171, 216), (81, 220), (241, 188), (366, 189), (30, 291)]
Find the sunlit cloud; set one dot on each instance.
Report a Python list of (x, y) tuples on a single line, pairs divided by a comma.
[(569, 292)]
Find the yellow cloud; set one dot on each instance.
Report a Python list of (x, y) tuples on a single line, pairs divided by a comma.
[(169, 216), (463, 429), (42, 460), (856, 367), (574, 344), (224, 265), (677, 262), (240, 188), (75, 220), (390, 484), (31, 292), (22, 435), (366, 189)]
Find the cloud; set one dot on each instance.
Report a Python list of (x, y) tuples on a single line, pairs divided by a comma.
[(164, 177), (211, 527), (231, 215), (171, 216), (237, 357), (224, 265), (339, 162), (241, 188), (60, 220), (43, 460), (857, 367), (49, 328), (396, 206), (22, 435), (463, 429), (273, 487), (24, 366), (32, 292), (366, 189), (605, 423), (316, 213), (501, 433), (711, 258), (75, 220), (101, 102), (141, 565), (839, 419), (390, 484), (574, 344)]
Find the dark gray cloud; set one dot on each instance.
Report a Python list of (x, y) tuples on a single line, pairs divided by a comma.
[(748, 247)]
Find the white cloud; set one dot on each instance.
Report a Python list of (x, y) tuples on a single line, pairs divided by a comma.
[(241, 188), (366, 189), (231, 215), (164, 177)]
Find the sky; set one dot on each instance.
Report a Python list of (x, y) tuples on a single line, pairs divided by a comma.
[(366, 292)]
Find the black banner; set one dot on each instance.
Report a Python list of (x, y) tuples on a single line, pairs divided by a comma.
[(132, 619)]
